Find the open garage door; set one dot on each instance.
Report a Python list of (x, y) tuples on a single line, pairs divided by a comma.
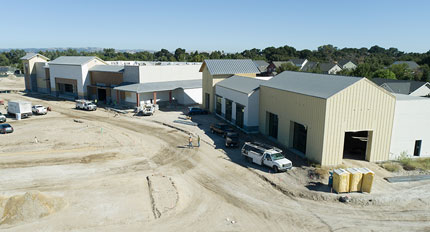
[(356, 145)]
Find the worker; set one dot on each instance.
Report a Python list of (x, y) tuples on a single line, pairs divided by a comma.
[(190, 142), (198, 140)]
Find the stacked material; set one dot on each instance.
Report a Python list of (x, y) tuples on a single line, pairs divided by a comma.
[(355, 181), (341, 180), (368, 177)]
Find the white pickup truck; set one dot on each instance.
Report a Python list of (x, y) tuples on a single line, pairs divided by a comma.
[(85, 105), (263, 154)]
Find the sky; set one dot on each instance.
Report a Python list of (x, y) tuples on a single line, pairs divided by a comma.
[(207, 25)]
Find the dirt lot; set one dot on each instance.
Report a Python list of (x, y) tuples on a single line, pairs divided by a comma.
[(73, 170)]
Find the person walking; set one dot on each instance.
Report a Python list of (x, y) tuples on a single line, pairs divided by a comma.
[(198, 140), (190, 142)]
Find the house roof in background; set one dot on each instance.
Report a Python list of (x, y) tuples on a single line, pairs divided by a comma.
[(230, 66), (279, 63), (311, 84), (74, 60), (297, 62), (107, 68), (159, 86), (310, 65), (31, 55), (399, 86), (411, 64), (343, 62), (241, 84), (261, 65), (325, 67)]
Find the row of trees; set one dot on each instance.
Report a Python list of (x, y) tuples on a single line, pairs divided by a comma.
[(371, 62)]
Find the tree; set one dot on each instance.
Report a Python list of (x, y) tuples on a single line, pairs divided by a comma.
[(180, 54), (402, 71), (287, 67), (384, 73), (4, 61)]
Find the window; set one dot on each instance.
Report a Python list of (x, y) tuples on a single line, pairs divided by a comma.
[(218, 105), (240, 109), (228, 109), (417, 150)]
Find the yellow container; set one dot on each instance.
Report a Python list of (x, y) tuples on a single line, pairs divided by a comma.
[(355, 179), (367, 182), (341, 180)]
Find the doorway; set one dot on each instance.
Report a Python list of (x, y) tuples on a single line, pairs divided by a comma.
[(207, 101), (239, 115), (299, 137), (355, 145), (273, 124), (101, 94), (417, 149), (228, 109)]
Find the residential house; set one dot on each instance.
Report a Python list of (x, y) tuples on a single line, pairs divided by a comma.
[(329, 68), (407, 87), (412, 65), (347, 64)]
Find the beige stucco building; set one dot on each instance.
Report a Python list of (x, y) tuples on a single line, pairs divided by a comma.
[(215, 71), (326, 118), (34, 72)]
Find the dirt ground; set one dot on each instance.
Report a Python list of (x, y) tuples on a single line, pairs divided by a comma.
[(74, 170)]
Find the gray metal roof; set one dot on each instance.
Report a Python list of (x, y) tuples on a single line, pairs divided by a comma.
[(159, 86), (343, 62), (31, 55), (310, 65), (311, 84), (108, 68), (403, 97), (411, 64), (261, 65), (73, 60), (399, 86), (297, 62), (220, 67), (325, 67), (241, 84), (279, 63)]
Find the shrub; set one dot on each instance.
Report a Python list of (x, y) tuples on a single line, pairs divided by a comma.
[(392, 167)]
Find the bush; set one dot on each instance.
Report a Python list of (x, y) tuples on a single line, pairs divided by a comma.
[(412, 164), (392, 167)]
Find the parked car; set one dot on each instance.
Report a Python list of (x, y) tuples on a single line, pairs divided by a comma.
[(85, 105), (196, 110), (220, 128), (231, 139), (22, 108), (263, 154), (2, 118), (39, 109), (5, 128)]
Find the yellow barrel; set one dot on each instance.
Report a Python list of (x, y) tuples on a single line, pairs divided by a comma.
[(355, 179), (341, 180), (367, 182)]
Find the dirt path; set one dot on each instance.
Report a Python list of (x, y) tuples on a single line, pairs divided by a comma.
[(127, 174)]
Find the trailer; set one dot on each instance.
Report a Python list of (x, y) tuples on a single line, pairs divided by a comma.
[(20, 108)]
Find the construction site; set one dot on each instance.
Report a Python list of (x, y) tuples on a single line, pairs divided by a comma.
[(74, 170)]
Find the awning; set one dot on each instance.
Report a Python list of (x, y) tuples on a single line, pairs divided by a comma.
[(159, 86)]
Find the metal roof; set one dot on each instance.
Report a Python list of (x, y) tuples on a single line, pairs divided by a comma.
[(31, 55), (325, 67), (341, 63), (107, 68), (220, 67), (261, 65), (241, 84), (279, 63), (159, 86), (403, 97), (311, 84), (310, 65), (411, 64), (298, 62), (399, 86), (73, 60)]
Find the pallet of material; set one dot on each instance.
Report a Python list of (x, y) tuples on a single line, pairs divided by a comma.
[(368, 177), (355, 180), (341, 180)]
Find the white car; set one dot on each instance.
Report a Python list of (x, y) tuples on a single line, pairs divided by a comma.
[(2, 118), (39, 109)]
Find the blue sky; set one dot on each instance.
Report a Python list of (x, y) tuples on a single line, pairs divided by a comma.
[(230, 26)]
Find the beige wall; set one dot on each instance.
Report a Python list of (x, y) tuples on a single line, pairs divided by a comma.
[(289, 106), (362, 106), (208, 83), (35, 67)]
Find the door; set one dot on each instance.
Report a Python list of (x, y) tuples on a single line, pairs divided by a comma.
[(267, 160), (228, 109), (239, 115), (299, 137), (273, 125), (207, 101), (101, 94), (417, 150)]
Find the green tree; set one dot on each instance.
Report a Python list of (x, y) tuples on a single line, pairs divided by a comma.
[(287, 67), (4, 61), (402, 71), (384, 73)]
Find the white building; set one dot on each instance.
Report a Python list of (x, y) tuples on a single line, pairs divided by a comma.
[(411, 127), (69, 76), (237, 101)]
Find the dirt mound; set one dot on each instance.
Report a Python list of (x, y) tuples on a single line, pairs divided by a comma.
[(163, 194), (27, 207)]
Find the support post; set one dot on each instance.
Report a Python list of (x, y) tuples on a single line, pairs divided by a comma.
[(170, 96), (155, 98), (118, 97), (137, 100)]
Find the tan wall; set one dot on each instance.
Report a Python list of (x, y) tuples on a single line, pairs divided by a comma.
[(33, 69), (107, 78), (208, 83), (362, 106), (289, 106)]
